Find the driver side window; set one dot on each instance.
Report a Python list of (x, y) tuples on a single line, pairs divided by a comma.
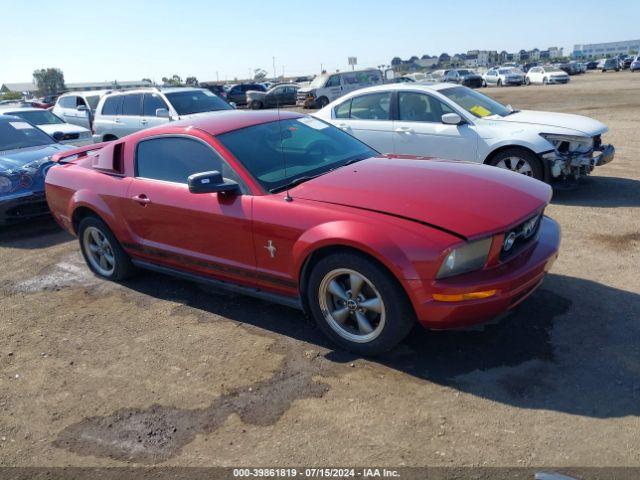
[(333, 81), (174, 159), (419, 107)]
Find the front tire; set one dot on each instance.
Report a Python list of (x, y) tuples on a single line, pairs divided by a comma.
[(521, 161), (102, 251), (527, 81), (499, 83), (322, 102), (256, 105), (358, 304)]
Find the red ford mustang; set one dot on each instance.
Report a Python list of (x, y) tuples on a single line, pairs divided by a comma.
[(288, 208)]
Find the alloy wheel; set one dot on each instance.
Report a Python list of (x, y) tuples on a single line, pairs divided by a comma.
[(516, 164), (351, 305), (99, 251)]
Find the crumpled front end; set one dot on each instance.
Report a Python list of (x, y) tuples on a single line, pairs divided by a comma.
[(575, 157)]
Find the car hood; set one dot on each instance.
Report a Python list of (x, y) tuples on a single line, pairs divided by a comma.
[(587, 126), (65, 128), (27, 167), (466, 199)]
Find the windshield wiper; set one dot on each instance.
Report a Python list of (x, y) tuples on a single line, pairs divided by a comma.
[(295, 182), (512, 112)]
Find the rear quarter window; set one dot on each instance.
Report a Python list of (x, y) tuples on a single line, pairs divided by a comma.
[(112, 106)]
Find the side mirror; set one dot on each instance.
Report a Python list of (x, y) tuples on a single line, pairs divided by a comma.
[(210, 182), (82, 108), (162, 113), (510, 108), (233, 105), (58, 136), (451, 119)]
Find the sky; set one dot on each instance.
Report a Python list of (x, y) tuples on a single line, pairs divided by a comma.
[(132, 39)]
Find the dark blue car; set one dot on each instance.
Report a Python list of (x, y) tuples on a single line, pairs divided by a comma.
[(25, 157)]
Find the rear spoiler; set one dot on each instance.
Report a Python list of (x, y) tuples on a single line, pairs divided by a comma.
[(77, 153)]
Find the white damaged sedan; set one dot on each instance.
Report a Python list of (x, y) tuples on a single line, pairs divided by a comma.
[(457, 123)]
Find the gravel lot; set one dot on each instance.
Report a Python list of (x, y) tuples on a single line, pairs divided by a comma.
[(159, 371)]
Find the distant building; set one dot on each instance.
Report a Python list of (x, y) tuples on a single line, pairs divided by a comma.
[(24, 87), (611, 49), (31, 88), (555, 52)]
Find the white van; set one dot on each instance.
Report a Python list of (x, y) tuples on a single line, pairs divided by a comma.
[(327, 87)]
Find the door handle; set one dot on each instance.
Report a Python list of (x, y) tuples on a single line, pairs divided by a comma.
[(143, 122), (118, 121), (142, 199), (407, 130), (344, 126)]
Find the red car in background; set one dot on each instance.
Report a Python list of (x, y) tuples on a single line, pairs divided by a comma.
[(291, 209)]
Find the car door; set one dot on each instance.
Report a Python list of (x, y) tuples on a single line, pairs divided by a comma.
[(492, 77), (151, 102), (67, 108), (131, 119), (451, 76), (333, 88), (418, 129), (276, 96), (83, 113), (209, 233), (368, 118), (290, 94)]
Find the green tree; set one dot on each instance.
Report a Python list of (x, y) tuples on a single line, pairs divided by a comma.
[(10, 95), (191, 81), (148, 80), (174, 80), (50, 81)]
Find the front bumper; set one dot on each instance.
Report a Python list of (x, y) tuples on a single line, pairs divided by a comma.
[(560, 165), (514, 279), (559, 80), (23, 207)]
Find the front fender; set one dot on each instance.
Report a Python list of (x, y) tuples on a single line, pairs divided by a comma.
[(358, 235)]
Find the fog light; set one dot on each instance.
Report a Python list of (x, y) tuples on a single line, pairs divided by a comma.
[(461, 297)]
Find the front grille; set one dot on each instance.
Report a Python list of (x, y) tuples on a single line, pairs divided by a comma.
[(520, 236)]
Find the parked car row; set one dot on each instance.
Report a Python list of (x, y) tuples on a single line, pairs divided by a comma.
[(367, 250)]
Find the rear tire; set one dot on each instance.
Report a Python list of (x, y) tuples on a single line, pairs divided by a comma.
[(499, 82), (519, 160), (545, 81), (102, 251), (358, 304), (527, 81), (256, 105)]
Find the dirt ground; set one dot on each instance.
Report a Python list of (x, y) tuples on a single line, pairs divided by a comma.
[(158, 371)]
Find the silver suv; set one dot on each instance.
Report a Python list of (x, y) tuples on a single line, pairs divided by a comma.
[(122, 113)]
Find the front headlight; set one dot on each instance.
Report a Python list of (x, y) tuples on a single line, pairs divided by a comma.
[(565, 144), (5, 184), (466, 258)]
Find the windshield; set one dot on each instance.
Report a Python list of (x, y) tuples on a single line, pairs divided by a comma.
[(37, 117), (553, 69), (475, 103), (465, 72), (507, 71), (196, 101), (318, 82), (290, 151), (16, 134)]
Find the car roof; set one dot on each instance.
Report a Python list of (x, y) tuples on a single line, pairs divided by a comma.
[(85, 93), (154, 89), (228, 120), (20, 109), (427, 87)]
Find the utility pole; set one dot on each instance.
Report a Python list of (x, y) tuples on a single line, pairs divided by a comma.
[(282, 72), (275, 75), (217, 77)]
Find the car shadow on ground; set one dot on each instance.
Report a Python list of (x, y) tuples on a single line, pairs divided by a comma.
[(571, 347), (41, 233), (603, 192)]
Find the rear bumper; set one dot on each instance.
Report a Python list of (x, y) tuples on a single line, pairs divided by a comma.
[(23, 207), (515, 280)]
